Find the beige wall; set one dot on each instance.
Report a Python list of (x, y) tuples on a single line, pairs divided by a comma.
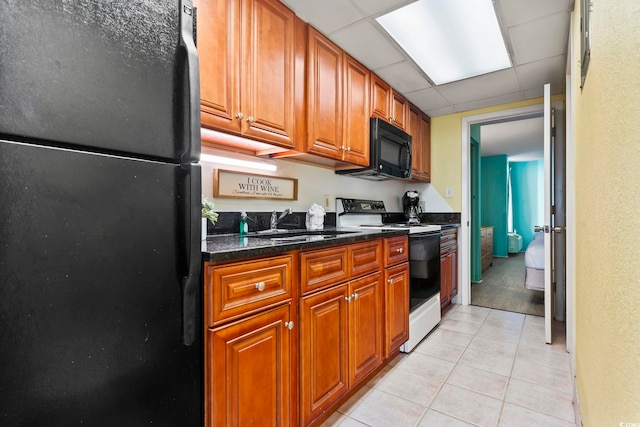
[(607, 176)]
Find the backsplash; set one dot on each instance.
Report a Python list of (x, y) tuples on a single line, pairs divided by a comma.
[(229, 222)]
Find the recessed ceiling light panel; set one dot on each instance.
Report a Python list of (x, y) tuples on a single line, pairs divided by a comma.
[(449, 39)]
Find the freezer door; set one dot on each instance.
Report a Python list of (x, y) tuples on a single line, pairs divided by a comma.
[(110, 76), (93, 256)]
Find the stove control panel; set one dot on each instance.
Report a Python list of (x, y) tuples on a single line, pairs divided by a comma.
[(359, 206)]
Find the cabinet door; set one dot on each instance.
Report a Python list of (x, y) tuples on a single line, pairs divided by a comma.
[(324, 91), (249, 371), (396, 307), (366, 319), (416, 142), (323, 350), (356, 112), (219, 59), (425, 144), (380, 98), (445, 280), (267, 71), (399, 110), (454, 272)]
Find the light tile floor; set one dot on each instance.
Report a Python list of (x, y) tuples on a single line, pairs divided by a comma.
[(479, 367)]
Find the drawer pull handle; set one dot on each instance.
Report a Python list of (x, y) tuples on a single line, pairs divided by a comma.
[(289, 325), (260, 286)]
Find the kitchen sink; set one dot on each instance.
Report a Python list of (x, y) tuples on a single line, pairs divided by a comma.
[(300, 235)]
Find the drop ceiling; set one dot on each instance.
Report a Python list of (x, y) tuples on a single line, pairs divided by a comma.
[(536, 34)]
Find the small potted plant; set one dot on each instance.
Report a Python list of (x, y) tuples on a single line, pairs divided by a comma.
[(207, 214)]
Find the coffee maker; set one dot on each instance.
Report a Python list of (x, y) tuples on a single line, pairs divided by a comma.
[(411, 206)]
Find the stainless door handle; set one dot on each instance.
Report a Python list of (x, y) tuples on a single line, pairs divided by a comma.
[(558, 230), (537, 228)]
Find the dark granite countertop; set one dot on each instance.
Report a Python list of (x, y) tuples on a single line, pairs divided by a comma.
[(230, 247)]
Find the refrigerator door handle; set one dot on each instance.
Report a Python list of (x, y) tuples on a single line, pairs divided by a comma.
[(192, 75), (191, 282)]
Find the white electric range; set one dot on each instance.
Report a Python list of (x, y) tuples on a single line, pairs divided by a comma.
[(424, 261)]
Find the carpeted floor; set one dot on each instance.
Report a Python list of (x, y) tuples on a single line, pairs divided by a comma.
[(503, 288)]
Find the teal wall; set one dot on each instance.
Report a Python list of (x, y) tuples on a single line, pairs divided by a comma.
[(527, 186), (494, 200)]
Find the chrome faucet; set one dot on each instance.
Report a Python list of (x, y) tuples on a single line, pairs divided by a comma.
[(275, 219)]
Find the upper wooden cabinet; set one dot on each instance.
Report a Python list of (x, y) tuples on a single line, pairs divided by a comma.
[(337, 102), (420, 131), (246, 52), (388, 104)]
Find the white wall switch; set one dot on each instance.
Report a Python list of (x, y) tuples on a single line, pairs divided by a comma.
[(448, 192)]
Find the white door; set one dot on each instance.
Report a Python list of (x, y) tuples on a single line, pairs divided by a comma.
[(548, 224)]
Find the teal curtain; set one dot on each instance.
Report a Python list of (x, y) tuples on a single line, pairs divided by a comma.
[(527, 185), (495, 200)]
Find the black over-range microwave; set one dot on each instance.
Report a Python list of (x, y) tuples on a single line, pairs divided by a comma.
[(390, 154)]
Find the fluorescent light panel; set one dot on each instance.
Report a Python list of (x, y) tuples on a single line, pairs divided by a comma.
[(449, 39), (210, 158)]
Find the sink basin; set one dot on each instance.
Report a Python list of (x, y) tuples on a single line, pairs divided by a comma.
[(300, 235)]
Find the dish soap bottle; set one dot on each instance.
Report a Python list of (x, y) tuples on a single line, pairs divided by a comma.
[(244, 225)]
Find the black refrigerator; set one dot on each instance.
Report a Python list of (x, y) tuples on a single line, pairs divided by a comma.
[(100, 187)]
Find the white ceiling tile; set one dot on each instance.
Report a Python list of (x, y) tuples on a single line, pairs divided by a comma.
[(380, 7), (481, 87), (365, 43), (514, 12), (427, 99), (488, 102), (326, 15), (540, 39), (535, 74), (403, 77), (436, 112)]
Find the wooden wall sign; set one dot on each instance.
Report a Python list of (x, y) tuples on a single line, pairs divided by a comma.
[(252, 186)]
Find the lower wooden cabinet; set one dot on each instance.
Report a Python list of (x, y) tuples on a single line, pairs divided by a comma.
[(448, 267), (250, 371), (340, 341), (397, 307)]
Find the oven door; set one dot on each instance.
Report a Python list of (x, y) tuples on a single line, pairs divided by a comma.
[(424, 267)]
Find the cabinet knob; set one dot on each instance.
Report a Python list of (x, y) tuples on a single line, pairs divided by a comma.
[(289, 325), (261, 286), (399, 250), (239, 116), (355, 295), (348, 148), (390, 281), (347, 299), (250, 119)]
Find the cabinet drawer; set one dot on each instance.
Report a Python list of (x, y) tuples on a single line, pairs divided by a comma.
[(237, 289), (364, 258), (396, 250), (322, 268)]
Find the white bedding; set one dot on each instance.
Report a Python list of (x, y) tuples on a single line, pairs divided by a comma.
[(534, 255)]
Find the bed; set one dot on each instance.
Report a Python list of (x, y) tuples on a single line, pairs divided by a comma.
[(534, 264)]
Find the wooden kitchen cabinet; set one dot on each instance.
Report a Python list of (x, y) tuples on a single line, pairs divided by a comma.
[(337, 102), (396, 279), (420, 131), (246, 53), (388, 104), (250, 371), (250, 342), (448, 267), (324, 363), (341, 323)]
